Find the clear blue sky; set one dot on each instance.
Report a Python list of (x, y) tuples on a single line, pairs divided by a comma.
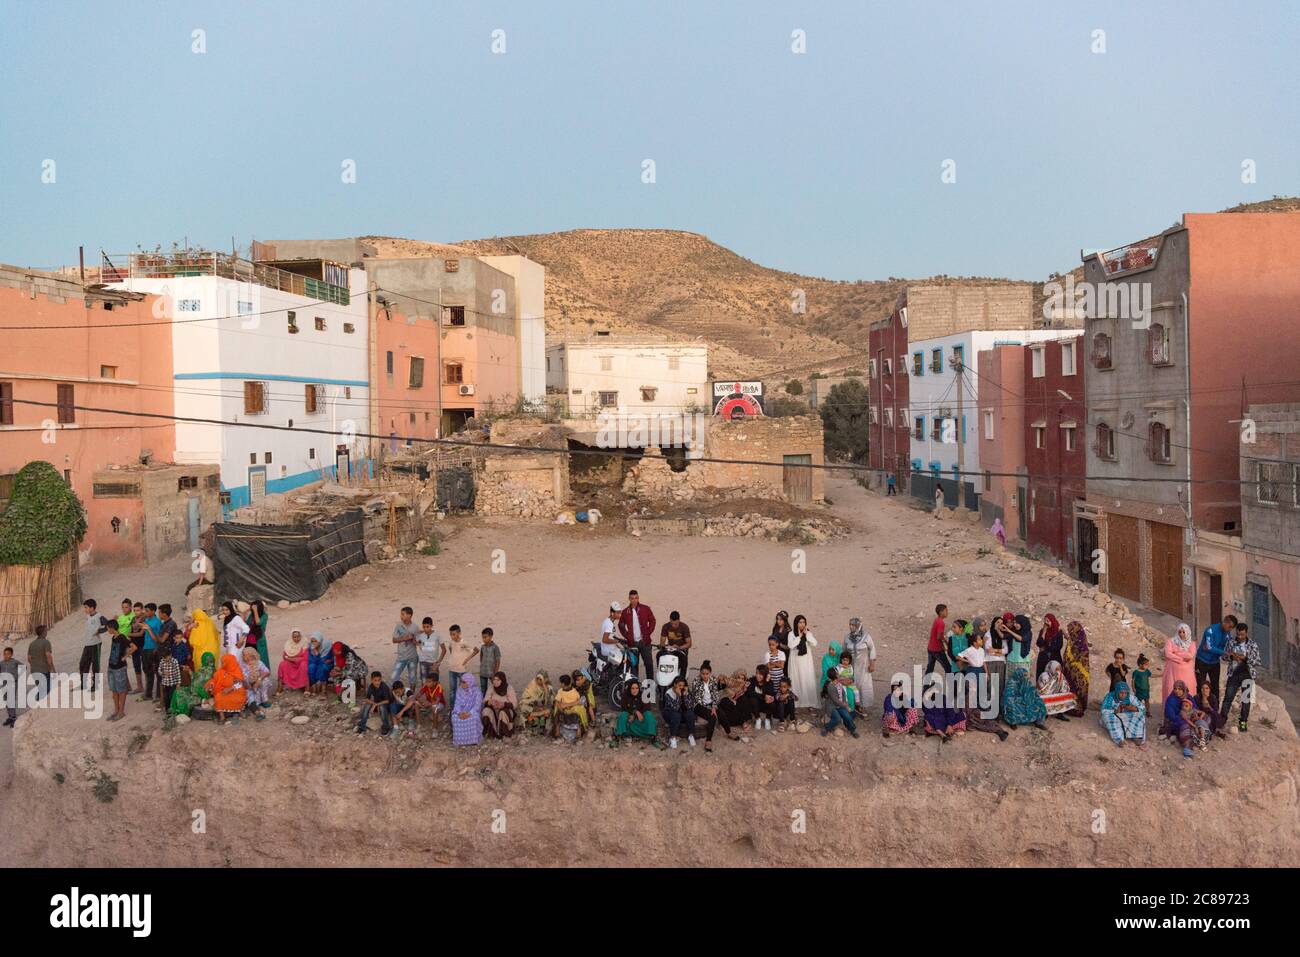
[(826, 163)]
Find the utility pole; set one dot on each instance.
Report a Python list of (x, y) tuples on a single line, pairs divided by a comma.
[(960, 368)]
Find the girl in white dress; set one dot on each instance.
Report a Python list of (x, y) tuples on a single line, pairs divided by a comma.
[(801, 665)]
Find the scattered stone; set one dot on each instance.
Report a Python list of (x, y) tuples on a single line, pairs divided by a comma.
[(299, 719)]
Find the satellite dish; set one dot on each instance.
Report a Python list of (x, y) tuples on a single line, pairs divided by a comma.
[(1126, 421)]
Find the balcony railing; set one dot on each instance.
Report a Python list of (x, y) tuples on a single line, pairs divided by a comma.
[(120, 268)]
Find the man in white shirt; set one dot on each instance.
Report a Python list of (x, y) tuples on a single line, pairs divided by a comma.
[(608, 632)]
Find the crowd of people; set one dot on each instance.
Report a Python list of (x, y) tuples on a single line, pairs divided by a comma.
[(1010, 678)]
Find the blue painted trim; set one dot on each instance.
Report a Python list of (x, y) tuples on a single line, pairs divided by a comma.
[(239, 493), (254, 376)]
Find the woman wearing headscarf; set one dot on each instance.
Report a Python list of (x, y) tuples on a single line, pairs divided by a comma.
[(348, 664), (257, 679), (293, 670), (1180, 661), (466, 719), (227, 689), (1173, 704), (1075, 664), (635, 720), (1055, 692), (234, 631), (258, 620), (1020, 701), (800, 667), (900, 715), (205, 639), (320, 662), (1002, 637), (862, 648), (1123, 719), (941, 718), (1208, 701), (1020, 651), (537, 702), (499, 706), (999, 531), (1050, 642), (207, 670)]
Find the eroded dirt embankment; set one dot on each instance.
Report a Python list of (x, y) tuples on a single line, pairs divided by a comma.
[(277, 794)]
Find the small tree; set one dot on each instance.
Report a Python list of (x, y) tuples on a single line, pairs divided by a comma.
[(44, 517), (846, 421), (794, 387)]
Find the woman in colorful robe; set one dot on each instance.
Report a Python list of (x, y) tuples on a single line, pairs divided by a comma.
[(205, 639), (293, 663), (1055, 692), (899, 717), (1051, 643), (499, 707), (1020, 701), (941, 718), (862, 647), (1076, 664), (258, 620), (187, 697), (635, 720), (320, 662), (467, 718), (227, 689), (1180, 661), (257, 681), (349, 664), (832, 660), (537, 702), (1124, 720)]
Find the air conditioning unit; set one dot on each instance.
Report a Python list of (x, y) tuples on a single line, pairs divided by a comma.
[(466, 389)]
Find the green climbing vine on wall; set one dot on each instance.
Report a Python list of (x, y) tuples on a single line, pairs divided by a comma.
[(44, 517)]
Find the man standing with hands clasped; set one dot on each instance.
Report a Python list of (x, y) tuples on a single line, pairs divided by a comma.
[(637, 626)]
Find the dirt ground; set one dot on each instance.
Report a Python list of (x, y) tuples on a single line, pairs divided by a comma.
[(544, 590)]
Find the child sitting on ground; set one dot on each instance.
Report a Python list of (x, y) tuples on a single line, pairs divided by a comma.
[(569, 709), (431, 701), (403, 709), (1142, 682), (784, 705)]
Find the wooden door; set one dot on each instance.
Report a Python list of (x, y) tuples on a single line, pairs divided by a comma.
[(1167, 568), (796, 480), (1122, 569)]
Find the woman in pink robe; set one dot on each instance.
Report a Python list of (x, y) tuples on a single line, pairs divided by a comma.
[(1180, 657), (293, 663)]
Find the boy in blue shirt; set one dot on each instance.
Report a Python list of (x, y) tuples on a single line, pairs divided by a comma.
[(1213, 642)]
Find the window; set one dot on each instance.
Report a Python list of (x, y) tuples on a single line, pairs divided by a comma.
[(1039, 355), (313, 397), (606, 363), (648, 393), (67, 405), (349, 328), (252, 458), (1275, 483), (266, 458), (388, 362), (415, 375), (108, 372), (455, 373), (874, 414), (988, 423), (1105, 447), (902, 419), (1067, 438), (347, 392), (888, 367), (186, 482), (455, 315), (902, 365), (548, 363), (936, 428), (608, 399), (188, 305), (320, 324), (244, 307), (6, 403), (1101, 351), (889, 417), (871, 368), (918, 364), (254, 398), (959, 356), (936, 360), (311, 454), (674, 363), (1068, 365), (1159, 446), (293, 321), (919, 427), (1158, 345), (1040, 436)]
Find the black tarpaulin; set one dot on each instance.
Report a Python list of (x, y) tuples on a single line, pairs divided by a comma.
[(285, 562)]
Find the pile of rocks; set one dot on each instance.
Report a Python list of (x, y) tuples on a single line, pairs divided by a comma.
[(653, 478), (807, 531), (511, 497)]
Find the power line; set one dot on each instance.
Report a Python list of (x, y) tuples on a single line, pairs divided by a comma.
[(604, 453)]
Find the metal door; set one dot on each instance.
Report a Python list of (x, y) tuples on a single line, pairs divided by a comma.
[(1259, 611), (193, 505), (257, 483), (796, 479)]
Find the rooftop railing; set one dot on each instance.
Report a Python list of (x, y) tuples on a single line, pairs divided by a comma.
[(120, 268)]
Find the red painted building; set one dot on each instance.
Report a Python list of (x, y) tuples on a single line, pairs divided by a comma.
[(887, 383), (1055, 451)]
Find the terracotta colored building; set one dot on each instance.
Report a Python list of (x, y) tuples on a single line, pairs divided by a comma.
[(103, 349), (887, 385), (1055, 460), (1001, 425)]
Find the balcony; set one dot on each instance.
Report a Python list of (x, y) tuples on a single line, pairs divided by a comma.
[(121, 268)]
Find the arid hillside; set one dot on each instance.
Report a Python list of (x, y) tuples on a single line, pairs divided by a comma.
[(685, 286)]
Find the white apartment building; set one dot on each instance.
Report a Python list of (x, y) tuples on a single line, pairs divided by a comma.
[(944, 402), (255, 345), (628, 377)]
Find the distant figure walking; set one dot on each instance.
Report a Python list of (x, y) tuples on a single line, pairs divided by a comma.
[(938, 499), (999, 532), (891, 484)]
